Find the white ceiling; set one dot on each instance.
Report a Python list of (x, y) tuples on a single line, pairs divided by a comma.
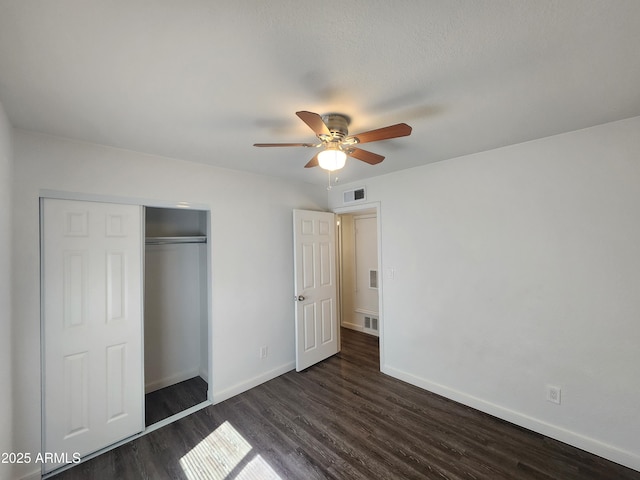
[(204, 80)]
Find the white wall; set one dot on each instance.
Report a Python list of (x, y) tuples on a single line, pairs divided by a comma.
[(517, 268), (6, 424), (173, 313), (252, 261)]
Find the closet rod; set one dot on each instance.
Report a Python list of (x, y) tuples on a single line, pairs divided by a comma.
[(175, 240)]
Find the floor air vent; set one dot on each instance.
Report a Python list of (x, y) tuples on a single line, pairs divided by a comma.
[(371, 323)]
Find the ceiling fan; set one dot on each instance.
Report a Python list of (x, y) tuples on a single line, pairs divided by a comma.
[(332, 130)]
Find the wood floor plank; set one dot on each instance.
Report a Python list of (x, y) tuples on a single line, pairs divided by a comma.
[(342, 419)]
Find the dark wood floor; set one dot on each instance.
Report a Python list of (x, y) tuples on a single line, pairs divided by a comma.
[(343, 419), (168, 401)]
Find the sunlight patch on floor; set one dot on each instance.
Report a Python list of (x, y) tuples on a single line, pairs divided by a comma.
[(220, 453), (257, 469)]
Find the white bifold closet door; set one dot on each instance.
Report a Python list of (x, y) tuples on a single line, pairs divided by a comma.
[(92, 326)]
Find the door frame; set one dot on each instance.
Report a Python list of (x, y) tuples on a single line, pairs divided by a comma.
[(141, 202), (354, 209)]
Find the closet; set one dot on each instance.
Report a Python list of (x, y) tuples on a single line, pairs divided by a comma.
[(175, 311), (125, 321)]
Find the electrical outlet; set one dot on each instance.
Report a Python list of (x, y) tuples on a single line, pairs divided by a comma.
[(264, 351), (553, 394)]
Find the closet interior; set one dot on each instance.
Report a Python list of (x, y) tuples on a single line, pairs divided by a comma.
[(176, 347)]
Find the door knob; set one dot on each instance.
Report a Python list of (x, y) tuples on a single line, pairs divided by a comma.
[(300, 298)]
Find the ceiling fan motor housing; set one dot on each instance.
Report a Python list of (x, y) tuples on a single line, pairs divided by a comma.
[(338, 125)]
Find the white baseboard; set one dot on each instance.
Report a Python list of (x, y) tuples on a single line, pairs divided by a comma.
[(591, 445), (353, 326), (170, 380), (34, 475), (359, 328), (364, 311), (253, 382)]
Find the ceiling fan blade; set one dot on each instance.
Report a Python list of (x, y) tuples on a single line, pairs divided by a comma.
[(313, 162), (284, 145), (315, 122), (393, 131), (365, 156)]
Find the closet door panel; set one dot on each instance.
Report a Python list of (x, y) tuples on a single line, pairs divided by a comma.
[(92, 325)]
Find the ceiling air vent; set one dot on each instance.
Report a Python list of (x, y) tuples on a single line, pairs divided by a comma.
[(357, 195)]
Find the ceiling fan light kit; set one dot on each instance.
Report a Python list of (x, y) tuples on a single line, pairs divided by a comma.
[(332, 129), (332, 159)]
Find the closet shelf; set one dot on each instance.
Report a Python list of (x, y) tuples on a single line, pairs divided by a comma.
[(176, 240)]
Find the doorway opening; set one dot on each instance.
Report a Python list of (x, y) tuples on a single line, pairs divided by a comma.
[(359, 275)]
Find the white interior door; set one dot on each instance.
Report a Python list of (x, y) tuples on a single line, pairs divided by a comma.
[(92, 326), (317, 332)]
